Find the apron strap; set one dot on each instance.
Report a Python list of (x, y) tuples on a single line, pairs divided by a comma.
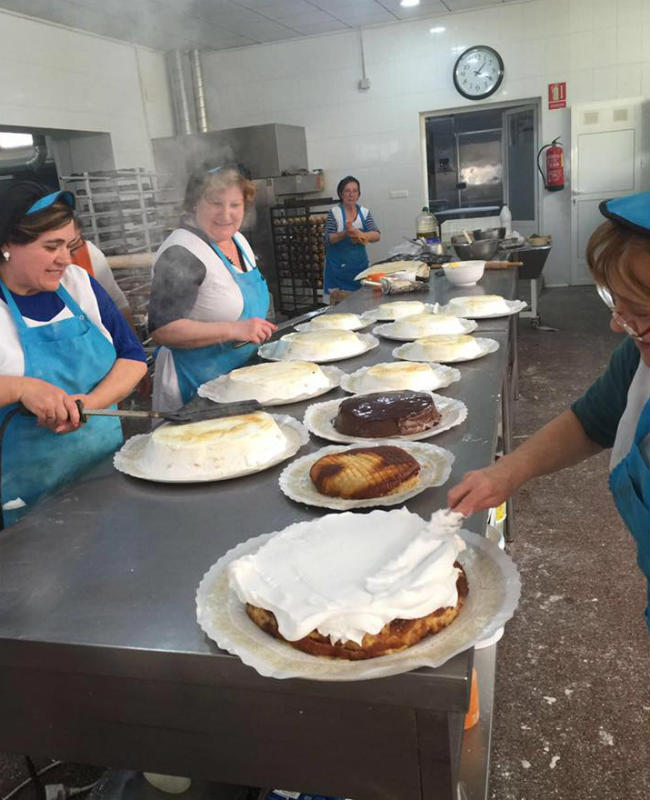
[(13, 307)]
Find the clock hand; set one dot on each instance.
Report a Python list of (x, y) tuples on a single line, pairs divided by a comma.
[(478, 71)]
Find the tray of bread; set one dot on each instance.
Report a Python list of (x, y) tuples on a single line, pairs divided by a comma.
[(446, 349), (391, 375), (483, 306), (320, 346), (335, 321), (380, 593), (273, 384), (343, 478), (405, 415), (416, 326), (211, 450)]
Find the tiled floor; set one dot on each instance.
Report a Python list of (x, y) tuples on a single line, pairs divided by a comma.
[(572, 697)]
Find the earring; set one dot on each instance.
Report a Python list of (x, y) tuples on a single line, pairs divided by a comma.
[(6, 255)]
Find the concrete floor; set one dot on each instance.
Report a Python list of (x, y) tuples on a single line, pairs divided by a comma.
[(572, 696)]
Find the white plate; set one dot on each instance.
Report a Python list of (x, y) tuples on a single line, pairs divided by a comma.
[(411, 351), (442, 376), (217, 390), (435, 468), (129, 458), (279, 351), (494, 589), (514, 307), (375, 314), (387, 330), (319, 420)]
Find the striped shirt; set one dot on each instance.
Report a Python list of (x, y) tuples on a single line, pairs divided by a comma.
[(335, 224)]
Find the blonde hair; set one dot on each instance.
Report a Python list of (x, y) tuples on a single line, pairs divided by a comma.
[(208, 184), (610, 251)]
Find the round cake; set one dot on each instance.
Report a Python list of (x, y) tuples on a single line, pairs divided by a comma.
[(346, 322), (480, 304), (214, 447), (383, 414), (418, 325), (370, 584), (280, 380), (448, 348), (400, 308), (397, 375), (365, 472), (326, 344)]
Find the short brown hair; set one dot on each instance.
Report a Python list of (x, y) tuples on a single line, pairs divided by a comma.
[(609, 252), (29, 227), (207, 184)]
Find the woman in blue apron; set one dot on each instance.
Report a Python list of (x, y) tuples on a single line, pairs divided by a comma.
[(207, 293), (348, 229), (614, 412), (61, 339)]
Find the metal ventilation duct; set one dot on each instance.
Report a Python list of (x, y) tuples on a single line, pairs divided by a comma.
[(180, 84), (23, 158), (199, 91)]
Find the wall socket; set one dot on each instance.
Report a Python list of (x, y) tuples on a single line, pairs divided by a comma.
[(364, 84)]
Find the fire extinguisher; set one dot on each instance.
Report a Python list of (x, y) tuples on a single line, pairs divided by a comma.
[(554, 176)]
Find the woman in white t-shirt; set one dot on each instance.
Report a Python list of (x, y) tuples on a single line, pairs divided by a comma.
[(206, 292)]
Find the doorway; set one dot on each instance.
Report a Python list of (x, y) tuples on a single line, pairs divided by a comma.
[(486, 158)]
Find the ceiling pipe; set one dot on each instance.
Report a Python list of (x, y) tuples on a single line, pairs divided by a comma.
[(30, 158), (199, 90), (184, 116)]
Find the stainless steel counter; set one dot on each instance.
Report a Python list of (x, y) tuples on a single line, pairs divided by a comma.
[(101, 659)]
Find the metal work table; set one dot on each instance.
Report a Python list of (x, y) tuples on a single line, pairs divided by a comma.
[(102, 661)]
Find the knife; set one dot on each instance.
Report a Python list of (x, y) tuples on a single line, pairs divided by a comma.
[(293, 322)]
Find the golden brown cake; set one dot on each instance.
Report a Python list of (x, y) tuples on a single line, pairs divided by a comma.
[(365, 472)]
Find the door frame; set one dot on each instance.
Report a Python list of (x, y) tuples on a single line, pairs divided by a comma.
[(505, 105)]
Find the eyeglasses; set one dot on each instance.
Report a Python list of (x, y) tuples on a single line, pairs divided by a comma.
[(607, 298)]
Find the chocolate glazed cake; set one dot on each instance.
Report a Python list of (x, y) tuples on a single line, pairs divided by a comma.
[(378, 414)]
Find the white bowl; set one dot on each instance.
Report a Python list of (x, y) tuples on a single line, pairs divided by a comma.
[(464, 273)]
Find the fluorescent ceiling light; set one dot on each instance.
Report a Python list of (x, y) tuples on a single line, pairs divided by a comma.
[(11, 140), (409, 3), (439, 29)]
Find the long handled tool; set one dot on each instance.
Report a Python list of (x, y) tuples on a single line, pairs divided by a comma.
[(293, 322)]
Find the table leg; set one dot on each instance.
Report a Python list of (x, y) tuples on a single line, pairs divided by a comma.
[(506, 422)]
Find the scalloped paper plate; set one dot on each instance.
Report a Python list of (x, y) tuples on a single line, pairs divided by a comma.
[(319, 420), (387, 330), (457, 309), (217, 390), (442, 377), (280, 350), (435, 468), (494, 589), (412, 352), (129, 458)]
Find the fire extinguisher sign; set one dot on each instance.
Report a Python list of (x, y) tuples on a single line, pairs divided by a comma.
[(557, 95)]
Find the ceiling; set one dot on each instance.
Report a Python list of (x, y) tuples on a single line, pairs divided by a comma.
[(222, 24)]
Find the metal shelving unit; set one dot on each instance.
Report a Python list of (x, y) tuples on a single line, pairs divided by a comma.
[(124, 211), (298, 226)]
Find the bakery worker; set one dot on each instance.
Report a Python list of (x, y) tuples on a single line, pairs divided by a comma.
[(207, 293), (87, 255), (61, 338), (615, 411), (348, 229)]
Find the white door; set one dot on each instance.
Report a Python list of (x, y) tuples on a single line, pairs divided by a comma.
[(609, 158), (520, 187)]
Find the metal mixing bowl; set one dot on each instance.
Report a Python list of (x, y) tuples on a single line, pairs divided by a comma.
[(489, 233), (482, 250)]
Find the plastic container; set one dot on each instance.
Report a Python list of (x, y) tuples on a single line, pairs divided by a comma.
[(426, 226)]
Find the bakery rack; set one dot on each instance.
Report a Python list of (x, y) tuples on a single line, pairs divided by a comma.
[(298, 226)]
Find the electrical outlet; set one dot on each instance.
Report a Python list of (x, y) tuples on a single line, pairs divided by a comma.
[(364, 84)]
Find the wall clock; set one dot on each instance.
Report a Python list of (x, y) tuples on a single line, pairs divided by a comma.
[(478, 72)]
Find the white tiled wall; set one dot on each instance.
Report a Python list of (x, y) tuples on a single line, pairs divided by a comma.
[(54, 77), (599, 47)]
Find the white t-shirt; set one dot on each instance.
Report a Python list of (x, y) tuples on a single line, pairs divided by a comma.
[(104, 276)]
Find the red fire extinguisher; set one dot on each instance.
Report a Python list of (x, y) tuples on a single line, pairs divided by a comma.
[(554, 176)]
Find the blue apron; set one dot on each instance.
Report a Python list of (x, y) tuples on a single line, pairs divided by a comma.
[(197, 365), (345, 260), (629, 482), (74, 355)]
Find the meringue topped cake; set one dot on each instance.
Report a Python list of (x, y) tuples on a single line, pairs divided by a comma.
[(347, 322), (399, 308), (399, 413), (214, 446), (355, 586), (481, 304), (417, 325), (449, 348), (326, 344), (277, 380), (397, 375)]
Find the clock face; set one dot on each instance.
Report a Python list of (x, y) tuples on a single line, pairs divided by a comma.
[(478, 72)]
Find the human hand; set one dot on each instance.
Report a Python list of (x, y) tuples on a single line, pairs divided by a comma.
[(254, 330), (53, 408), (481, 489)]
